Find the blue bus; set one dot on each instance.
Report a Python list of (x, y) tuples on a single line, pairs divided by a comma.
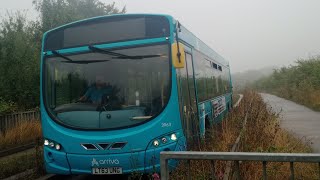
[(117, 90)]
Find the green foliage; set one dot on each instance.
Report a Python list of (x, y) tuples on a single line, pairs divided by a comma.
[(55, 13), (20, 45), (300, 83), (6, 107), (19, 61)]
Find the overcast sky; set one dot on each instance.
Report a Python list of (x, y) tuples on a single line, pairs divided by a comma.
[(250, 34)]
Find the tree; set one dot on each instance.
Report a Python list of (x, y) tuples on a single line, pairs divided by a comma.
[(54, 13), (19, 61), (300, 82), (20, 45)]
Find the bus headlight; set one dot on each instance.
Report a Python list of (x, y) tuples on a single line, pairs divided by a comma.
[(173, 137), (51, 144), (46, 142), (164, 140), (58, 147), (156, 143)]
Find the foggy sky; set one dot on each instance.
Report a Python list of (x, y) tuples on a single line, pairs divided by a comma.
[(250, 34)]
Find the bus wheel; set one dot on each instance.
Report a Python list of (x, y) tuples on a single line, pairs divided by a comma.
[(229, 107)]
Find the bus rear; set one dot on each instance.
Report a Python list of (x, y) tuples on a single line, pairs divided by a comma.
[(108, 95)]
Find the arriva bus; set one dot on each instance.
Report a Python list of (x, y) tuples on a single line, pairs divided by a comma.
[(116, 90)]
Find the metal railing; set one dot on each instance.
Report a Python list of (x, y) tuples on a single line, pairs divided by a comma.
[(236, 157), (11, 120)]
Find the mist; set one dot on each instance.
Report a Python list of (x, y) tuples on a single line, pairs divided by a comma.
[(249, 34)]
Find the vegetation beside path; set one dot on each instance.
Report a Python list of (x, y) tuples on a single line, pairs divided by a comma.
[(299, 83), (262, 134)]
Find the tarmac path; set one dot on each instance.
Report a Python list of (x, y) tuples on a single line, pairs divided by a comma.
[(300, 120)]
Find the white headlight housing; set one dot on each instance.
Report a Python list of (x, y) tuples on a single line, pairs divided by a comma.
[(51, 144), (46, 142), (156, 143), (58, 147), (164, 140), (173, 137)]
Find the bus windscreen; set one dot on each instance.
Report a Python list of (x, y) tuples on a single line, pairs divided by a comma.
[(107, 30)]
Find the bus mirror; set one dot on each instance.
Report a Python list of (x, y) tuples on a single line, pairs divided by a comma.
[(178, 56)]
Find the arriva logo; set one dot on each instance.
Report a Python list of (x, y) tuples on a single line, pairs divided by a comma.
[(104, 161)]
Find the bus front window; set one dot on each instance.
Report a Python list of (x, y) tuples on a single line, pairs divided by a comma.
[(102, 90)]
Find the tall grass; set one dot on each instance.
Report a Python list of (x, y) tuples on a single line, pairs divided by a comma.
[(219, 138), (24, 133), (262, 133), (14, 164)]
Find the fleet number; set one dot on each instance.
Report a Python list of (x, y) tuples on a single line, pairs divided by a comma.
[(165, 124)]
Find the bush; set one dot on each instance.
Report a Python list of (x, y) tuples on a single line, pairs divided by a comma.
[(300, 83), (7, 107)]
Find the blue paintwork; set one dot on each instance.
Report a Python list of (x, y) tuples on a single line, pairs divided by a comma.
[(111, 45), (205, 109), (99, 120), (139, 154), (56, 161), (76, 159)]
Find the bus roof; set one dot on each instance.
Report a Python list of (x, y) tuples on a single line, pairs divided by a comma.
[(184, 35), (105, 16)]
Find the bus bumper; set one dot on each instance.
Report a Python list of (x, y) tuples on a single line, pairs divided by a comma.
[(55, 161), (142, 161)]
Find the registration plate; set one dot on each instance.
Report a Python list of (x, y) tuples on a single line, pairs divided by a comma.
[(107, 170)]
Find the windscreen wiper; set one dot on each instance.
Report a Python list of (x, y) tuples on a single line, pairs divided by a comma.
[(103, 51), (62, 56), (76, 61), (118, 55), (138, 57), (85, 61)]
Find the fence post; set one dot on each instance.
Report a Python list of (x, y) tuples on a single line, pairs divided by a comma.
[(264, 167), (291, 171), (213, 170), (1, 125), (237, 173), (164, 171)]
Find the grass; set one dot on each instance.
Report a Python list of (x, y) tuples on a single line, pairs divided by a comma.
[(235, 98), (24, 133), (262, 134), (17, 163), (220, 139)]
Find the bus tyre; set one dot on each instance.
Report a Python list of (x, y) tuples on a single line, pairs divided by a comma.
[(207, 127), (229, 107), (207, 123)]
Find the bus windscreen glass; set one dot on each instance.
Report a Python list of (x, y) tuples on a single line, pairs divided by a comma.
[(107, 30), (94, 90)]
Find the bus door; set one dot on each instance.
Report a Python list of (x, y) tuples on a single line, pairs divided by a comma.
[(193, 102), (187, 99)]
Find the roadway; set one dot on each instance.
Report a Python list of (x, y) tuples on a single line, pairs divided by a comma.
[(300, 120)]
